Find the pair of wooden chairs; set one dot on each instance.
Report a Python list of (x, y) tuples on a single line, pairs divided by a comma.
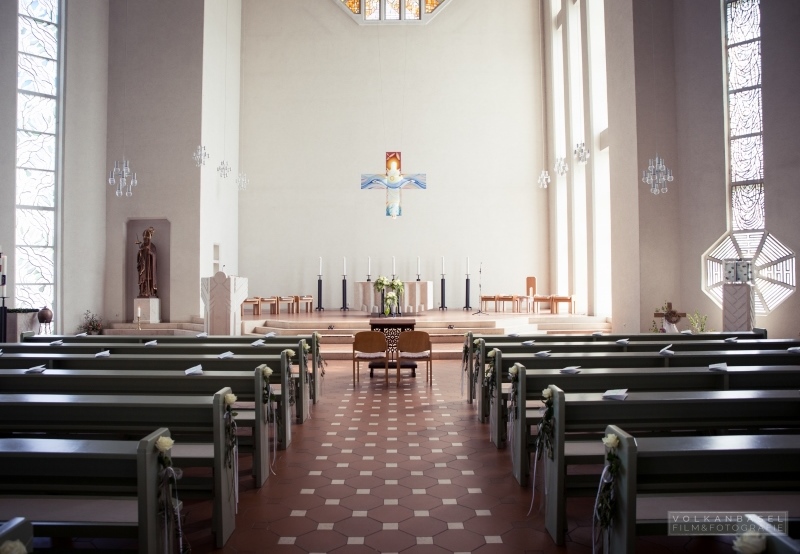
[(372, 347)]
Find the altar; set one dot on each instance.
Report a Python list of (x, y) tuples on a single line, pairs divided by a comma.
[(418, 297)]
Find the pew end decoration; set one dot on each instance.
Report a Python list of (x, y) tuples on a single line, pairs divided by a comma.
[(545, 432), (605, 502), (168, 501)]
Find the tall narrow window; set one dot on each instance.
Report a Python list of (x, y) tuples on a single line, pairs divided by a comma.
[(37, 151), (773, 263)]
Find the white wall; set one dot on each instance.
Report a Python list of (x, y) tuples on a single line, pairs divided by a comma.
[(219, 203), (323, 99), (83, 224)]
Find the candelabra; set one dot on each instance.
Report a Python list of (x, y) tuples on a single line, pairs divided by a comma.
[(120, 176), (224, 169), (657, 175), (544, 179), (581, 152), (200, 156), (561, 166), (242, 181)]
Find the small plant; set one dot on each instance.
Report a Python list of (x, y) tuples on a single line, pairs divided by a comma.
[(92, 323), (698, 322)]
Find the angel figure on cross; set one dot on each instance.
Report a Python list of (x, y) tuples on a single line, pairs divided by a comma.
[(393, 181)]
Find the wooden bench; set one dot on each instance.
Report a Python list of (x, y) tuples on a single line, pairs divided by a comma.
[(673, 472), (86, 488), (187, 417), (687, 411), (531, 382), (248, 386)]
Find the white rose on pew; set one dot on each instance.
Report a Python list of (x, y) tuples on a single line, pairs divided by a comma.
[(751, 542), (163, 444), (306, 346), (13, 547), (491, 354), (290, 353), (476, 342), (230, 399), (266, 371), (611, 440), (317, 335), (547, 393), (515, 370)]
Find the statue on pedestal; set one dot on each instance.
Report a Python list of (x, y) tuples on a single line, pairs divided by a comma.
[(146, 265)]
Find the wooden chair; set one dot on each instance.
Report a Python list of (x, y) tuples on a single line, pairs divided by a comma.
[(415, 346), (271, 301), (288, 300), (530, 289), (255, 302), (369, 346), (557, 299), (307, 300)]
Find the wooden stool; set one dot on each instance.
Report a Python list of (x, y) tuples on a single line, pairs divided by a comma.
[(255, 302), (288, 300), (556, 299), (485, 299), (271, 301), (308, 300), (542, 299)]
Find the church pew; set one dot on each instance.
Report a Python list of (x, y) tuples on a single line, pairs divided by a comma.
[(643, 360), (132, 362), (248, 386), (644, 346), (531, 382), (679, 473), (665, 411), (187, 417), (86, 488), (223, 343)]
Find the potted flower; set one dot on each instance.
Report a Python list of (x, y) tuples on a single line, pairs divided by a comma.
[(92, 324), (390, 303)]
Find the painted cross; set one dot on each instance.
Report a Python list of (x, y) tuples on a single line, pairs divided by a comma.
[(393, 181)]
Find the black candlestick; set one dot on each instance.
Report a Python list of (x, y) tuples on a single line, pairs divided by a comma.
[(3, 321), (444, 302), (344, 293), (466, 304), (319, 294)]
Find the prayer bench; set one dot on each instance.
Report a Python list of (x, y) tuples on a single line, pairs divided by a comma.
[(87, 488)]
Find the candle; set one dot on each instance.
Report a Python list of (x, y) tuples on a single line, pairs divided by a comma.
[(442, 265), (138, 311), (369, 265), (418, 265), (344, 265), (467, 265), (320, 265), (393, 270)]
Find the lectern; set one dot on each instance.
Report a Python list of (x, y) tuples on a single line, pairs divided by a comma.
[(222, 297)]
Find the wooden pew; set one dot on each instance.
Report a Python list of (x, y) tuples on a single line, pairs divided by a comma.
[(248, 386), (17, 529), (673, 470), (531, 382), (643, 360), (187, 417), (133, 362), (688, 411), (86, 488), (213, 344)]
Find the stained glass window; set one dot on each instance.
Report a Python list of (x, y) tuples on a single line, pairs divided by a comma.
[(412, 9), (395, 11), (37, 125), (353, 5)]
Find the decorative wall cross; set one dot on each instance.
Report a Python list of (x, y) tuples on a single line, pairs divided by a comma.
[(672, 316), (393, 181)]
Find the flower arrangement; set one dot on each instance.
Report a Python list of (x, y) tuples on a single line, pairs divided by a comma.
[(92, 323), (750, 542), (545, 431), (390, 302), (13, 547), (163, 445), (606, 500), (698, 322), (230, 429), (321, 363), (382, 283), (488, 375)]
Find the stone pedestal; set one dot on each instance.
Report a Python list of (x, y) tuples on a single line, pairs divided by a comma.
[(222, 297), (738, 307), (150, 310)]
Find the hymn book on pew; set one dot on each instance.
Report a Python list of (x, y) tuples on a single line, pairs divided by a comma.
[(615, 394)]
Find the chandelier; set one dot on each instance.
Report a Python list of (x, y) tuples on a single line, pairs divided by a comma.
[(121, 177), (544, 179), (200, 156), (242, 181), (561, 166), (581, 152), (657, 175), (223, 169)]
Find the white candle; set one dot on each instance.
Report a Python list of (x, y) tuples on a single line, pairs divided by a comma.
[(320, 265), (393, 270), (344, 265), (369, 265), (442, 265), (139, 311), (418, 265), (467, 265)]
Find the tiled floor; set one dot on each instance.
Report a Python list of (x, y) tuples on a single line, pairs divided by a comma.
[(397, 469)]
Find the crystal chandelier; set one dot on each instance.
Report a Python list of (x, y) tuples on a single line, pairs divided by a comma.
[(657, 175), (581, 152), (242, 181), (121, 177), (544, 179), (561, 166), (200, 156), (223, 169)]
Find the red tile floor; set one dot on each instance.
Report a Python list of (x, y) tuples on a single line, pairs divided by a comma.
[(386, 469)]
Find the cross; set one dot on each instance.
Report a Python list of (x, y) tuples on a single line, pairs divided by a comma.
[(393, 181), (672, 316)]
